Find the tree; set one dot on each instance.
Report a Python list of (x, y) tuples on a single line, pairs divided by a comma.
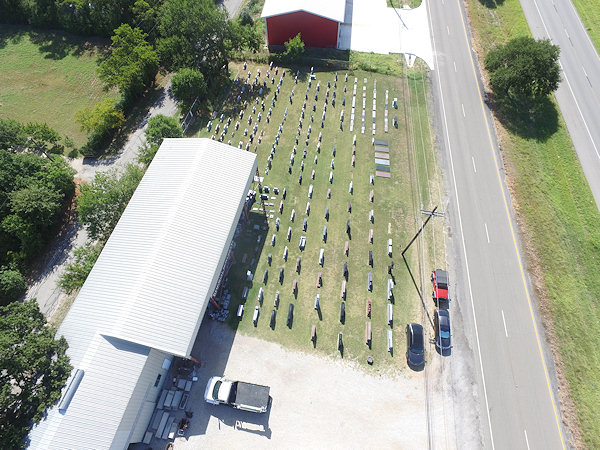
[(77, 272), (187, 84), (294, 47), (160, 127), (101, 203), (523, 68), (12, 135), (34, 369), (247, 35), (33, 192), (12, 285), (197, 34), (43, 138), (97, 17), (133, 63), (103, 118)]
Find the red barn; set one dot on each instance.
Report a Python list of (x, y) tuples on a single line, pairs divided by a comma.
[(318, 21)]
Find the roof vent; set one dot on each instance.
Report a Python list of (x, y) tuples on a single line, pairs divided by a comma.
[(71, 389)]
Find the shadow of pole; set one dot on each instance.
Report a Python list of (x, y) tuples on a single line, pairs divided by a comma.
[(418, 290)]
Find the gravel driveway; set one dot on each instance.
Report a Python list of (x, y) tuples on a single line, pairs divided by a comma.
[(44, 288), (318, 402)]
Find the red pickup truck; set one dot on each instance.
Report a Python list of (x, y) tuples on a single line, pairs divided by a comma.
[(439, 280)]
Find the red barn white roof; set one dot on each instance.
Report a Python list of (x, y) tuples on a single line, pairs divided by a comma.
[(330, 9)]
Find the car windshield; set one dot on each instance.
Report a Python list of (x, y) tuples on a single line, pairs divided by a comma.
[(215, 392)]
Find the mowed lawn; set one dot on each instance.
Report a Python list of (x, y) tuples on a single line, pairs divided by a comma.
[(396, 212), (46, 76)]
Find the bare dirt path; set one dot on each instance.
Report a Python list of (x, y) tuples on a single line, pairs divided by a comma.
[(44, 287)]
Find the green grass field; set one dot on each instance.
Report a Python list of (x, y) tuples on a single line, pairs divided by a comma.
[(47, 76), (590, 16), (561, 224), (396, 206)]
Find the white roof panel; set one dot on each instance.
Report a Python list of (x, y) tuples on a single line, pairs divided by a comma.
[(111, 371), (330, 9)]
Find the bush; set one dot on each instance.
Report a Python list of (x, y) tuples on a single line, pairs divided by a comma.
[(293, 48), (245, 17)]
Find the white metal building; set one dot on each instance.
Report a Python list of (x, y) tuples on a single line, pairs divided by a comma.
[(145, 298)]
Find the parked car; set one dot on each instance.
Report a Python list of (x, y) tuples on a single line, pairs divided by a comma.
[(439, 280), (441, 323), (415, 348)]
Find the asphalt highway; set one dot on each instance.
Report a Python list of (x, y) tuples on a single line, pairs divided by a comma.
[(516, 383), (579, 92)]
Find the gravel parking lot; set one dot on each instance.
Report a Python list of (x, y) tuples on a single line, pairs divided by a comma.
[(317, 401)]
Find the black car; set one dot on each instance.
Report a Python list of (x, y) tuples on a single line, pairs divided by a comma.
[(441, 323), (415, 349)]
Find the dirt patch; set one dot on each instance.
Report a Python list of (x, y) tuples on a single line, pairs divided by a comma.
[(317, 401)]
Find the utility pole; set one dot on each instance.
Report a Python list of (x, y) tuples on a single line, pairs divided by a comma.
[(430, 214), (38, 147)]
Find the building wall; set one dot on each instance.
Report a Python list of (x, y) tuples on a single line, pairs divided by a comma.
[(316, 31), (136, 418)]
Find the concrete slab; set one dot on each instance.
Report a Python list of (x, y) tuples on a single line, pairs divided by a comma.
[(370, 26)]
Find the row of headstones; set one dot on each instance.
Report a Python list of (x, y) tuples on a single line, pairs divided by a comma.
[(324, 237), (308, 211), (317, 298), (317, 307), (254, 108), (374, 103)]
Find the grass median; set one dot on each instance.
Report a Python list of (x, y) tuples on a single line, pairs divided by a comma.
[(560, 226), (589, 12), (415, 179)]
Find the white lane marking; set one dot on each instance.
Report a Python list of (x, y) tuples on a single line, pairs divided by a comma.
[(486, 233), (448, 29), (526, 440), (474, 168), (504, 321), (570, 89), (567, 33), (455, 67), (463, 109), (462, 235)]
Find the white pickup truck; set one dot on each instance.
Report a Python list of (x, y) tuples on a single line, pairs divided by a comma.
[(240, 395)]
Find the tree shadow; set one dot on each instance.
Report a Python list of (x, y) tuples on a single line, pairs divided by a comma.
[(491, 4), (59, 44), (11, 34), (528, 118)]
